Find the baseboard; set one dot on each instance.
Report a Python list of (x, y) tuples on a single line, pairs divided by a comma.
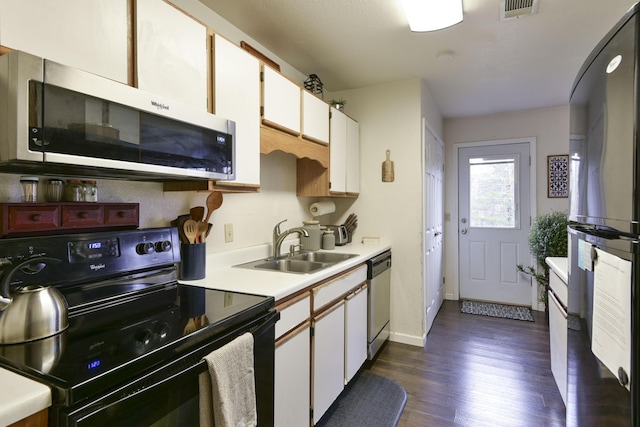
[(408, 339)]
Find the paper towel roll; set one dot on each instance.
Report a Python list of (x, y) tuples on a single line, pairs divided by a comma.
[(322, 208)]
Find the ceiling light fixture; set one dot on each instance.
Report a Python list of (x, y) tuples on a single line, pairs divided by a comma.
[(431, 15)]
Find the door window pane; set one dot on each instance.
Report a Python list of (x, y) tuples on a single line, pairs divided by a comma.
[(492, 195)]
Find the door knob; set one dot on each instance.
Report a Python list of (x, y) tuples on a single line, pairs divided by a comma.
[(463, 231)]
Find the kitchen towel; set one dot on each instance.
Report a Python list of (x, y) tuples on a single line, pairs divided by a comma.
[(322, 208), (227, 390)]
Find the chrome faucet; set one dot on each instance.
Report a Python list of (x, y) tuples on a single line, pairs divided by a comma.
[(278, 236)]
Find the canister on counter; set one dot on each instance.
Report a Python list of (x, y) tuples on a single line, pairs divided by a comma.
[(328, 240), (313, 241)]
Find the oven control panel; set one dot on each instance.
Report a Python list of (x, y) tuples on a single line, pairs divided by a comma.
[(82, 250), (90, 256)]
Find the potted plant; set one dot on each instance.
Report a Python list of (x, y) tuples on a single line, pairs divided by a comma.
[(547, 238), (338, 104)]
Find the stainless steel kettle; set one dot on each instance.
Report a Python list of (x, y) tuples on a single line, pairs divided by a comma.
[(31, 312)]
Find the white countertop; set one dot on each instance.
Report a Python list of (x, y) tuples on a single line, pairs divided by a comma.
[(20, 397), (560, 265), (220, 273)]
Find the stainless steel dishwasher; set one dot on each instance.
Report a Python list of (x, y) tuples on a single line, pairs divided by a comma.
[(379, 280)]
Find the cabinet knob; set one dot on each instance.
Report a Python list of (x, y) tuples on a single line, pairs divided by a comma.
[(36, 217), (83, 215), (121, 214)]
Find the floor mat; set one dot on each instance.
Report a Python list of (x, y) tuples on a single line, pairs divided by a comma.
[(496, 310), (368, 401)]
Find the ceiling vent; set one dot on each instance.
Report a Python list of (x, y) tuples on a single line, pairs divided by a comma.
[(512, 9)]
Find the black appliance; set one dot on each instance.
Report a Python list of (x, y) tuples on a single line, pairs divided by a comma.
[(133, 350), (604, 214)]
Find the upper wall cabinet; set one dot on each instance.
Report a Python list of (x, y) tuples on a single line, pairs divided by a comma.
[(171, 52), (236, 94), (315, 118), (91, 35), (280, 102), (342, 179), (353, 157)]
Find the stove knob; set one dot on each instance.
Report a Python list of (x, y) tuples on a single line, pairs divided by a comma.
[(163, 246), (163, 330), (145, 248), (144, 337)]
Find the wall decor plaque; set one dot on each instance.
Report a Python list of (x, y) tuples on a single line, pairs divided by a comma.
[(558, 176)]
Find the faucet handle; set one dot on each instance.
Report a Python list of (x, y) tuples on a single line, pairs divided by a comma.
[(276, 229)]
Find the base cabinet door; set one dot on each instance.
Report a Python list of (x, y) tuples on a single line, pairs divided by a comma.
[(292, 382), (328, 359), (355, 333)]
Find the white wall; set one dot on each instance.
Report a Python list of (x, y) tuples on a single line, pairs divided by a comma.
[(550, 126), (390, 118)]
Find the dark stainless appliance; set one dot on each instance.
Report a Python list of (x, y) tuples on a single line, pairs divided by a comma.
[(132, 352), (379, 302), (604, 210), (61, 120)]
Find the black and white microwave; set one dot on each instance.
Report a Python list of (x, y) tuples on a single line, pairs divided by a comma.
[(55, 119)]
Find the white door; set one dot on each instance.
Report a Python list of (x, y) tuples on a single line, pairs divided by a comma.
[(494, 221), (433, 226)]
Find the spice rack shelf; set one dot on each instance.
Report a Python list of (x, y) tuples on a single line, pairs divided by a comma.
[(30, 219)]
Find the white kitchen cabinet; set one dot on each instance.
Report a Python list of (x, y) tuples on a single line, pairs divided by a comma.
[(338, 151), (171, 53), (236, 96), (315, 118), (292, 380), (280, 101), (344, 154), (353, 156), (355, 332), (328, 358), (558, 323), (91, 35)]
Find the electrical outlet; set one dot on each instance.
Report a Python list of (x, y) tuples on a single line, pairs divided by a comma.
[(228, 233)]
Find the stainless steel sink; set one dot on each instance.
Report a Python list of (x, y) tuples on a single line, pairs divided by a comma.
[(300, 263), (330, 257)]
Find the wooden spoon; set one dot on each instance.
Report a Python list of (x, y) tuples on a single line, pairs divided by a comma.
[(197, 213), (191, 230), (214, 201)]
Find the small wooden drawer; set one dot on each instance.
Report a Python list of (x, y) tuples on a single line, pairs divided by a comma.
[(81, 216), (31, 217), (121, 214)]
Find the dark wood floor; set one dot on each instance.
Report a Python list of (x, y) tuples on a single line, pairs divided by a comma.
[(476, 371)]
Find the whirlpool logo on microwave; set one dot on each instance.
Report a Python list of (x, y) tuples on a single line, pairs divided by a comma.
[(159, 105)]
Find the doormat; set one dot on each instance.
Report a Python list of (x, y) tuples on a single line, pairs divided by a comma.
[(496, 310), (368, 401)]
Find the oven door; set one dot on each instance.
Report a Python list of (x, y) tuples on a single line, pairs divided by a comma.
[(169, 395)]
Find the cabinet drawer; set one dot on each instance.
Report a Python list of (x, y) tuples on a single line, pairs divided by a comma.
[(559, 287), (32, 218), (122, 214), (82, 215), (333, 289), (293, 313)]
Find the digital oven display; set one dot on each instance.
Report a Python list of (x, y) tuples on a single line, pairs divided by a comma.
[(85, 250)]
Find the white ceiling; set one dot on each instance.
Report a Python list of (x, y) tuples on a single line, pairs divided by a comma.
[(497, 66)]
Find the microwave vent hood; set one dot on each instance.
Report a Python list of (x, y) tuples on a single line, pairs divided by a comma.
[(58, 120)]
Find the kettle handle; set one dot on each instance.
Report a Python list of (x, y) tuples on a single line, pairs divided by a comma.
[(35, 265)]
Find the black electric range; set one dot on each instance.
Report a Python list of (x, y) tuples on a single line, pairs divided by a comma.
[(128, 314)]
